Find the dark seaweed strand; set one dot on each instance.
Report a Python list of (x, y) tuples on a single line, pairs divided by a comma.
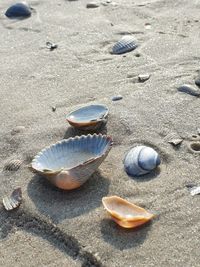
[(48, 231)]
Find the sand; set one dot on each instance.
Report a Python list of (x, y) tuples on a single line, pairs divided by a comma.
[(53, 227)]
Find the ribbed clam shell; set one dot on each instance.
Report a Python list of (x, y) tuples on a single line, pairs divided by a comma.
[(13, 165), (18, 10), (69, 163), (141, 160), (90, 117), (14, 200), (126, 44)]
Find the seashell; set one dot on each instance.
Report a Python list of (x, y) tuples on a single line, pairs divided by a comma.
[(91, 117), (13, 165), (126, 44), (188, 89), (197, 81), (124, 213), (176, 141), (18, 10), (14, 200), (51, 46), (141, 160), (195, 190), (143, 77), (92, 5), (69, 163), (117, 97)]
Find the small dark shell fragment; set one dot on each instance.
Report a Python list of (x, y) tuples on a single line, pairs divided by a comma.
[(51, 46), (13, 165), (188, 89), (126, 44), (14, 200), (117, 97), (18, 10), (197, 81), (92, 5)]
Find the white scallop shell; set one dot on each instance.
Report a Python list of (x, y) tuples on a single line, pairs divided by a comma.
[(126, 44), (69, 163), (141, 160)]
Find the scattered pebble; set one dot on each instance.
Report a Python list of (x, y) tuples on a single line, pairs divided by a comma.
[(117, 97), (197, 81), (13, 165), (53, 108), (17, 129), (13, 201), (92, 5), (188, 89), (175, 142), (51, 46), (195, 190), (148, 26), (143, 77)]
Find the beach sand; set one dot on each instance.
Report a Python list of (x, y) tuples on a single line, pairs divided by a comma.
[(54, 227)]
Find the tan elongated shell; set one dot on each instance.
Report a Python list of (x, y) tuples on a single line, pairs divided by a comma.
[(124, 213)]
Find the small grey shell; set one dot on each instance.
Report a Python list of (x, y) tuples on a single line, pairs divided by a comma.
[(117, 97), (126, 44), (14, 200), (90, 117), (13, 165), (141, 160), (188, 89), (18, 10)]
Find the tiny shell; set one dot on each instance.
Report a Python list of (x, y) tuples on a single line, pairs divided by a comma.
[(90, 117), (92, 5), (188, 89), (70, 163), (117, 97), (14, 200), (143, 77), (141, 160), (195, 190), (125, 213), (175, 142), (13, 165), (126, 44), (18, 10), (51, 46)]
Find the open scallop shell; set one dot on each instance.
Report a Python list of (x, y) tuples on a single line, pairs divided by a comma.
[(69, 163), (90, 117), (13, 201), (124, 213)]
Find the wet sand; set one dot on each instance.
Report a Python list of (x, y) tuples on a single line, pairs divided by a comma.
[(72, 228)]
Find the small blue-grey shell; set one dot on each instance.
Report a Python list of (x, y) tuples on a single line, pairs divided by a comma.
[(126, 44), (141, 160), (18, 10)]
